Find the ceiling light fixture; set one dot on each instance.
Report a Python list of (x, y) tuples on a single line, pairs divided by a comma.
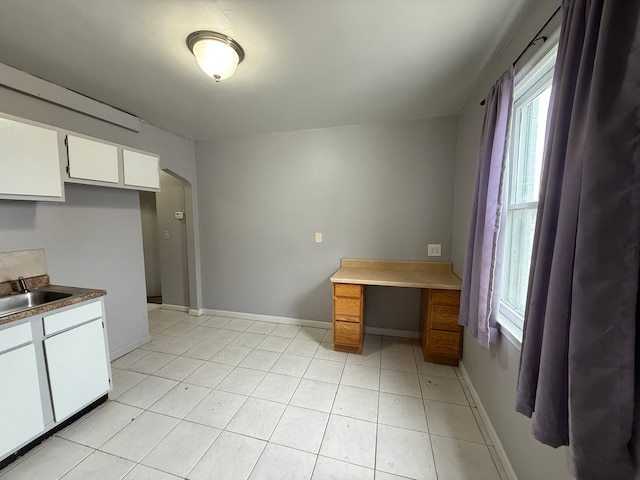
[(217, 54)]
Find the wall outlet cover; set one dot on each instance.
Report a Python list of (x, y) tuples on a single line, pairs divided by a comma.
[(318, 237), (434, 250)]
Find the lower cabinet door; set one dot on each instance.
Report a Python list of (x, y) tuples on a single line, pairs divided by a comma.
[(20, 401), (78, 368)]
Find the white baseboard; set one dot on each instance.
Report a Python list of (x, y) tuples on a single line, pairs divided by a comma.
[(506, 464), (177, 308), (268, 318), (390, 332), (128, 348), (195, 313)]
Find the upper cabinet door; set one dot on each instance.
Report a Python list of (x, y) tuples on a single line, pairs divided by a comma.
[(29, 161), (141, 170), (92, 160)]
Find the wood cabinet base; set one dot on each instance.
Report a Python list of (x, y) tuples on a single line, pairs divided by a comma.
[(346, 348), (440, 334), (348, 322), (442, 359)]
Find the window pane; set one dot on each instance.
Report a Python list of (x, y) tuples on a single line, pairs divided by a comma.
[(531, 121), (518, 245)]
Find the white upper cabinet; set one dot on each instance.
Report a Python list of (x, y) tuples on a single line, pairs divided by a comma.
[(141, 170), (29, 161), (33, 160), (92, 160)]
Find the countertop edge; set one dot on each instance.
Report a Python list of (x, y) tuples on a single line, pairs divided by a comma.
[(84, 295), (390, 273), (362, 281)]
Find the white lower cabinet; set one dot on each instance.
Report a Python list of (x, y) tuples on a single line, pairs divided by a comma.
[(51, 367), (78, 368), (20, 401)]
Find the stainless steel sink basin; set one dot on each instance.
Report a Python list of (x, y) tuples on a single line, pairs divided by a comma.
[(24, 301)]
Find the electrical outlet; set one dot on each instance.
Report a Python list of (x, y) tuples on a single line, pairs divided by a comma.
[(318, 237), (166, 235), (434, 250)]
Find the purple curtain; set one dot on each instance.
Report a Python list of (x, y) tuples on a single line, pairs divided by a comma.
[(480, 296), (577, 366)]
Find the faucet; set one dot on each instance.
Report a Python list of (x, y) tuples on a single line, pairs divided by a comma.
[(23, 285)]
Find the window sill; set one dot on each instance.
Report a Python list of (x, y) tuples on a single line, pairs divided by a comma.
[(510, 331)]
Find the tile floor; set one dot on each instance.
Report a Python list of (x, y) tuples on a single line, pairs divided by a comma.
[(223, 398)]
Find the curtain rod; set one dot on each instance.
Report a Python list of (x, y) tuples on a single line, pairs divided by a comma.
[(534, 40)]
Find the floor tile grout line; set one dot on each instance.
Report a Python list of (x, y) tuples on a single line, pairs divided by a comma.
[(250, 395)]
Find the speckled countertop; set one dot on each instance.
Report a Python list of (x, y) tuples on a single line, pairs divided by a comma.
[(397, 273), (78, 295)]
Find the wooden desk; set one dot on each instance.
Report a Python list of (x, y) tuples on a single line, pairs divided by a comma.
[(440, 334)]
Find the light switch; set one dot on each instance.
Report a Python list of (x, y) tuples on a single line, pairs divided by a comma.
[(318, 237), (434, 250), (166, 234)]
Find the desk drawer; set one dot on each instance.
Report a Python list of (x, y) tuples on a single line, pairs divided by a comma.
[(347, 333), (347, 309), (445, 297), (347, 290), (445, 317), (445, 343)]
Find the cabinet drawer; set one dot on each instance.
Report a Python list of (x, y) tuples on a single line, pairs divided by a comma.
[(445, 297), (444, 343), (347, 290), (445, 317), (347, 309), (14, 336), (347, 333), (70, 318)]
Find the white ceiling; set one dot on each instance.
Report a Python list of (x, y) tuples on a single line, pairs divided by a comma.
[(309, 63)]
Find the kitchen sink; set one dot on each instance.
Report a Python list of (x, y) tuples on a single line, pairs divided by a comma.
[(24, 301)]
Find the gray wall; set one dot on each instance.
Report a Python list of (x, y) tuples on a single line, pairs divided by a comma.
[(151, 243), (494, 372), (31, 227), (173, 250), (374, 191), (92, 240)]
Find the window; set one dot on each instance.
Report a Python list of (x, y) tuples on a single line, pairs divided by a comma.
[(529, 121)]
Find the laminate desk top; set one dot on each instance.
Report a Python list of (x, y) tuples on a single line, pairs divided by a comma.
[(397, 273)]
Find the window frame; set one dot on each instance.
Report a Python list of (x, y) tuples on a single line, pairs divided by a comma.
[(531, 85)]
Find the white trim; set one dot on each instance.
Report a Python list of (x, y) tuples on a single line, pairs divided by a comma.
[(391, 332), (506, 464), (195, 313), (33, 86), (511, 331), (128, 348), (178, 308), (268, 318)]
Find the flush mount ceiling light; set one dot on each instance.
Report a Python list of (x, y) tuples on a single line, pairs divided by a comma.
[(217, 54)]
